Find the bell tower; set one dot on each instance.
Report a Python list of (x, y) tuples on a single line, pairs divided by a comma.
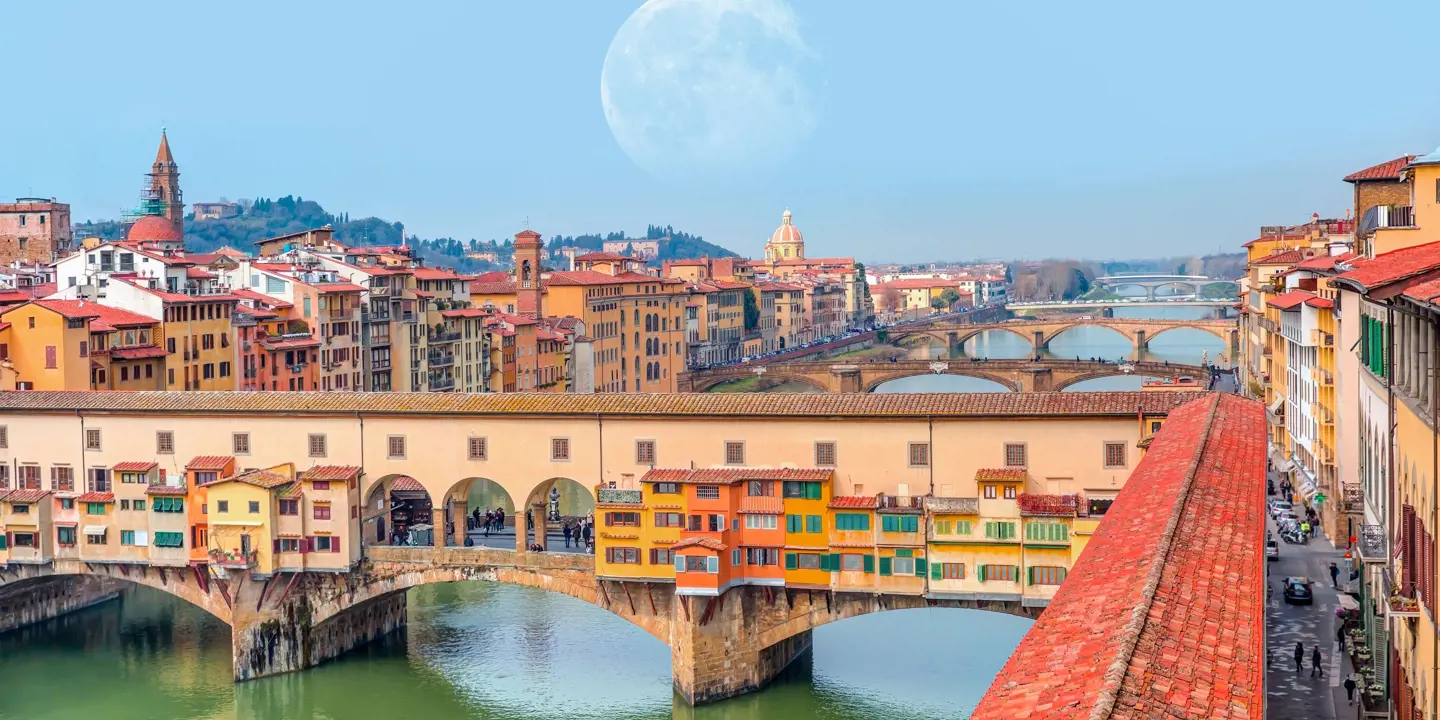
[(528, 255), (164, 187)]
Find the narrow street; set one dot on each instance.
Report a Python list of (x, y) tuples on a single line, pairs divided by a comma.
[(1293, 695)]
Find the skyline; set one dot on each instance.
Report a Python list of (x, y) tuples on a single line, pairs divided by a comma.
[(454, 137)]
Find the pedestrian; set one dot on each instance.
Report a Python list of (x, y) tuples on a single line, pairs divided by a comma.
[(1340, 636), (499, 519), (567, 534), (1299, 656), (586, 532), (1335, 576), (1305, 528), (1350, 688), (1315, 659)]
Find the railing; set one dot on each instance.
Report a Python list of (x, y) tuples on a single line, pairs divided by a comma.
[(297, 368), (234, 560), (407, 317), (1323, 413), (1320, 337), (1371, 544), (379, 290), (346, 314), (1268, 324), (1353, 496), (1394, 216), (1322, 376), (902, 503), (442, 383), (380, 364), (1403, 599), (442, 337), (441, 360), (240, 319)]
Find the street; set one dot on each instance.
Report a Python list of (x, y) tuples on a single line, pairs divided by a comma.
[(1295, 695)]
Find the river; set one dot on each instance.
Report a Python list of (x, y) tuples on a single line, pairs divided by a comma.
[(486, 651)]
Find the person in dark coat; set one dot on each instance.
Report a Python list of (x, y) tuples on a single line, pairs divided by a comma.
[(567, 534), (1315, 667), (1299, 656)]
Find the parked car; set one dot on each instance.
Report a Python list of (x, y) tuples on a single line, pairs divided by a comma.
[(1272, 550), (1299, 591)]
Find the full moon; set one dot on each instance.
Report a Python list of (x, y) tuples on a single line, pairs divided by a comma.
[(707, 87)]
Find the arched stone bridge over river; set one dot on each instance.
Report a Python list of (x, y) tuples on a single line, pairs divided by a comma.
[(1016, 375)]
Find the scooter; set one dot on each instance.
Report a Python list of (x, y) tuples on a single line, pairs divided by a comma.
[(1294, 537)]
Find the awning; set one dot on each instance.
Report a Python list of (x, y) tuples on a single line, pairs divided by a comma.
[(94, 530), (1347, 602), (1277, 405), (64, 523)]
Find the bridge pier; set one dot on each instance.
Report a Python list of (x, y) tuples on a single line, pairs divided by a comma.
[(846, 379), (282, 638), (50, 598), (953, 345), (716, 643), (1141, 342), (1037, 380), (1038, 341)]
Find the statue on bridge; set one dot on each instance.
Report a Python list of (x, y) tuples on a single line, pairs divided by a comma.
[(554, 512)]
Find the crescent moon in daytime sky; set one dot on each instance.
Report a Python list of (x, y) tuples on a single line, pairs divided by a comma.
[(707, 87)]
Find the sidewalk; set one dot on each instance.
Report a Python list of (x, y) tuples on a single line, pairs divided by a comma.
[(1292, 695)]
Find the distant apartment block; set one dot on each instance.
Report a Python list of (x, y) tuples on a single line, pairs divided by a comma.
[(34, 229), (215, 210)]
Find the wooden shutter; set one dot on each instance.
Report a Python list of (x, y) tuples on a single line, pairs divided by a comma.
[(791, 561), (920, 567), (935, 571), (869, 563), (335, 544), (885, 564), (275, 548)]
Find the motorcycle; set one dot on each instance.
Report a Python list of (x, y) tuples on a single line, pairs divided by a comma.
[(1294, 537)]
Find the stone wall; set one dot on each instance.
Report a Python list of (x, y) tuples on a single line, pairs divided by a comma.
[(51, 597)]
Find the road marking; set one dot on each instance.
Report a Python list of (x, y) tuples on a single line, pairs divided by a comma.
[(1334, 664)]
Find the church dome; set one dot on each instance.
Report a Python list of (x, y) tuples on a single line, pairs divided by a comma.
[(153, 228), (786, 234)]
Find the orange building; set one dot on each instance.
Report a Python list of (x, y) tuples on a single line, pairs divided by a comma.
[(199, 471)]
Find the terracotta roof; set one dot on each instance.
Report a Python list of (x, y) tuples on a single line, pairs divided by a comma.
[(762, 506), (25, 496), (705, 542), (291, 491), (1296, 298), (111, 318), (1005, 474), (430, 273), (1425, 292), (140, 352), (285, 343), (1051, 505), (330, 472), (857, 502), (249, 294), (603, 256), (96, 497), (911, 405), (1323, 262), (496, 287), (152, 228), (134, 466), (194, 273), (404, 483), (1161, 616), (1388, 170), (207, 463), (259, 478), (465, 312), (1283, 257), (337, 287), (726, 476), (72, 309), (1392, 267), (590, 277), (165, 490)]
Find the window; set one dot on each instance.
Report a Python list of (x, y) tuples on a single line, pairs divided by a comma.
[(169, 539), (948, 571), (325, 543), (814, 524), (4, 432), (852, 562), (559, 449), (734, 453), (1015, 455), (62, 478), (1046, 575), (794, 523), (666, 489), (91, 508), (622, 519), (168, 504), (990, 492), (1114, 454), (762, 556), (762, 522), (288, 545), (693, 523), (852, 521), (322, 511), (662, 556), (67, 503), (320, 485), (222, 506), (707, 492), (623, 556), (1046, 532), (1009, 492), (808, 561), (92, 438), (240, 443), (903, 565), (65, 536), (317, 445), (91, 539), (475, 448), (395, 447), (127, 537), (1099, 506), (996, 530), (254, 507), (164, 442), (899, 523), (25, 540), (694, 563), (1154, 426), (1005, 573), (760, 488), (669, 519), (644, 452), (717, 522), (919, 454), (802, 490), (289, 507), (825, 454)]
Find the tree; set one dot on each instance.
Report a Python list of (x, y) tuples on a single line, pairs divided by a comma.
[(937, 303), (752, 311), (950, 297), (891, 301)]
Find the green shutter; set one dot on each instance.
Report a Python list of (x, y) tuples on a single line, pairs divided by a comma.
[(835, 564), (813, 524), (982, 572), (792, 523), (888, 524), (885, 565), (989, 529), (963, 527), (824, 561), (812, 491), (904, 552), (869, 563), (935, 572), (910, 523), (1030, 575), (1017, 572), (791, 562), (920, 567)]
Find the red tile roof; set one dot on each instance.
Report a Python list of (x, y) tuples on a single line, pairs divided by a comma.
[(208, 463), (429, 273), (1052, 505), (726, 476), (1392, 267), (140, 352), (285, 343), (1324, 262), (134, 466), (1005, 474), (96, 497), (705, 542), (337, 287), (24, 496), (73, 309), (465, 312), (165, 490), (249, 294), (762, 506), (111, 318), (266, 479), (330, 472), (1283, 257), (1425, 292), (1296, 298), (603, 256), (1161, 617), (853, 501), (407, 484), (1388, 170)]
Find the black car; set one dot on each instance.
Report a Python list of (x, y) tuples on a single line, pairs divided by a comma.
[(1299, 591)]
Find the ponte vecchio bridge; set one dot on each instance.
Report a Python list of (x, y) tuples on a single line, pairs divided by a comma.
[(1039, 333), (1014, 375)]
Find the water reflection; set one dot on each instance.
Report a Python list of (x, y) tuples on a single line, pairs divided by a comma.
[(476, 650)]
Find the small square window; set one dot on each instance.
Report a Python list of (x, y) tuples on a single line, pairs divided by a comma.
[(644, 452), (4, 436), (919, 454), (395, 447), (92, 438), (734, 453), (254, 507), (240, 443), (825, 454), (317, 445), (164, 442), (1114, 455), (560, 449), (222, 506), (475, 448), (1015, 455)]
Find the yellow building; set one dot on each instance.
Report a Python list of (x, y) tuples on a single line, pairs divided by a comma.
[(48, 343), (243, 519), (1046, 552), (807, 540), (852, 538), (951, 545), (626, 530), (900, 546)]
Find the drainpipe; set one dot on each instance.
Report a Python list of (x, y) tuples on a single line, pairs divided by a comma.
[(360, 534), (930, 443), (600, 469), (84, 476)]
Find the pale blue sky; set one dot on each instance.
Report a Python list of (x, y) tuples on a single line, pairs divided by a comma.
[(942, 129)]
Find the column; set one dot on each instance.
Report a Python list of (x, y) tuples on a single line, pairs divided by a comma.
[(522, 530), (715, 648), (537, 512)]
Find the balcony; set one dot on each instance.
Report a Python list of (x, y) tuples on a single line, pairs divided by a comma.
[(441, 360), (1403, 604), (1353, 498), (343, 314), (1322, 338), (1394, 216), (408, 317), (954, 505), (1047, 505), (1324, 415), (242, 319), (442, 337), (1371, 544), (892, 502), (379, 290), (380, 364), (1268, 324), (234, 560), (378, 317), (442, 382)]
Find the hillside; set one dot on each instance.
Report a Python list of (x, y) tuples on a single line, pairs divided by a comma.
[(265, 218)]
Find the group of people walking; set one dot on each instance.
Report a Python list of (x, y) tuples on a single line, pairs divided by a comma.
[(488, 521), (581, 533)]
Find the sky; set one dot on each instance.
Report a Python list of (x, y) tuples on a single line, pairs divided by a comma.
[(931, 130)]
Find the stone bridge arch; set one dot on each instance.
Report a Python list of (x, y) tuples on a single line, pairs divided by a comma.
[(954, 369), (468, 495), (1224, 334), (1054, 331), (772, 372), (189, 583), (1068, 382), (399, 501), (576, 501)]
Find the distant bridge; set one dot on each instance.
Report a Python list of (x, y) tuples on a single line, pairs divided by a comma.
[(1039, 333), (1015, 375), (1124, 303), (1154, 281)]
